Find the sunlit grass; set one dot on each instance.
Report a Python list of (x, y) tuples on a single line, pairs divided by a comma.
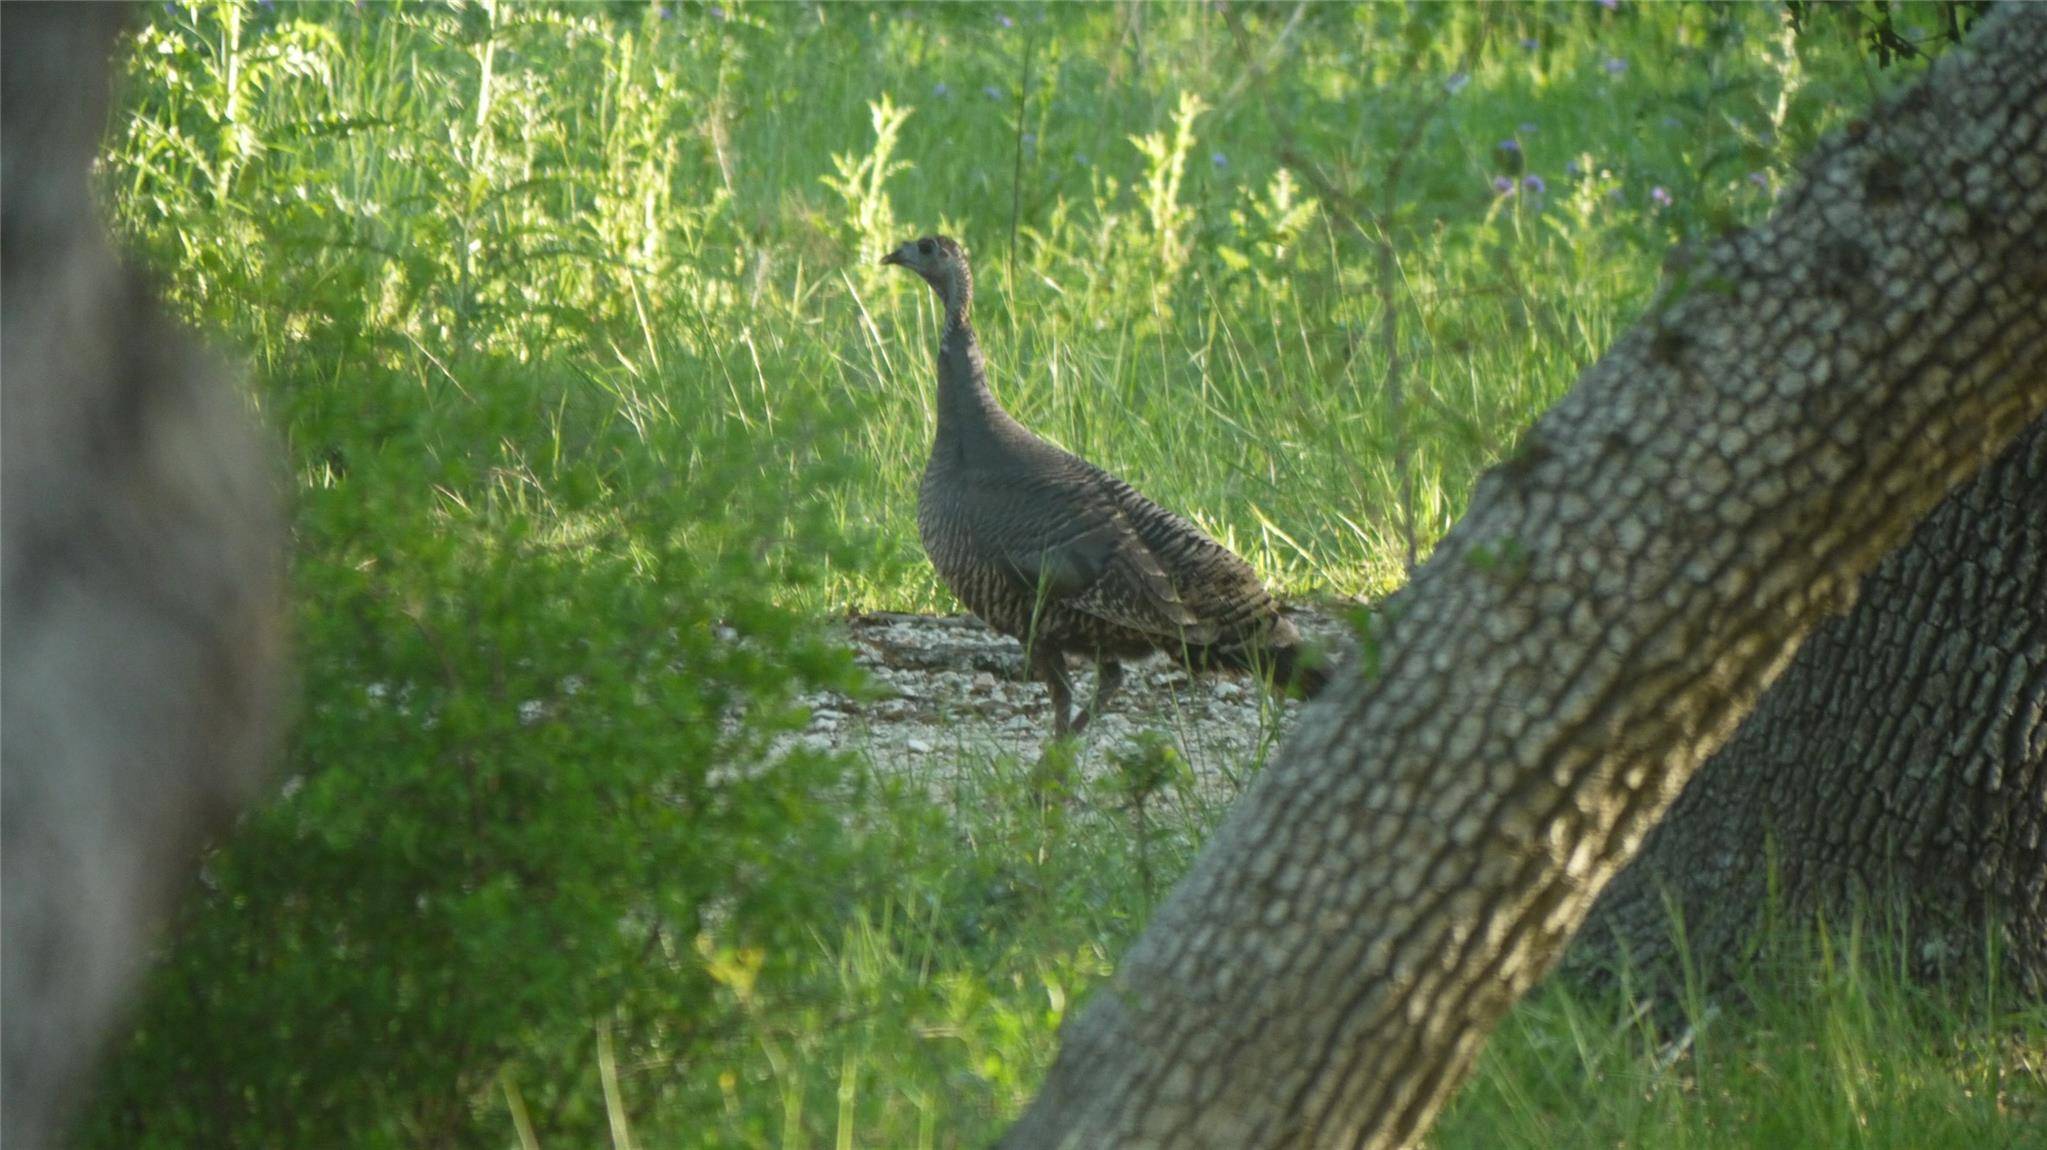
[(649, 196)]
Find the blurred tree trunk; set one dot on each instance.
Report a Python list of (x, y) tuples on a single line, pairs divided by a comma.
[(1614, 602), (1901, 758), (141, 582)]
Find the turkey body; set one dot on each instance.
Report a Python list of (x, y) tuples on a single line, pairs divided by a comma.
[(1051, 550)]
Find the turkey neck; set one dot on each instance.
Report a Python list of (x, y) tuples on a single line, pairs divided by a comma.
[(969, 419)]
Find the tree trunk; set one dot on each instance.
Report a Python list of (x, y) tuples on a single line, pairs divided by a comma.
[(141, 583), (1901, 758), (1614, 602)]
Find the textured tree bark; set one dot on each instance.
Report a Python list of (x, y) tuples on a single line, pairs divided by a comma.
[(141, 582), (1901, 761), (1611, 606)]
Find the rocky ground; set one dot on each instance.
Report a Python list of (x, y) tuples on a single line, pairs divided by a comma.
[(954, 690)]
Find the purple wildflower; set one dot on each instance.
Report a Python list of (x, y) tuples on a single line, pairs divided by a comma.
[(1457, 82), (1218, 159), (992, 92), (1615, 66), (1510, 145), (1527, 128), (1504, 185), (1760, 179), (1610, 5), (1004, 20), (1530, 43), (940, 89), (717, 12), (665, 12), (1572, 169), (1534, 183), (1659, 197), (1672, 122)]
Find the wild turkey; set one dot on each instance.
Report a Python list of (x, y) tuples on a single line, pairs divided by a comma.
[(1052, 550)]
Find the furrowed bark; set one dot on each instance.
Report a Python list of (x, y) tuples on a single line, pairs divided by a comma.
[(1899, 764), (1614, 602), (142, 581)]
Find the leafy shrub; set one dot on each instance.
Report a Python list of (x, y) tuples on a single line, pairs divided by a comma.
[(530, 791)]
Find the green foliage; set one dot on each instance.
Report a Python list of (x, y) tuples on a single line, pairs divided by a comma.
[(593, 402), (860, 182), (529, 792), (1829, 1041), (629, 186)]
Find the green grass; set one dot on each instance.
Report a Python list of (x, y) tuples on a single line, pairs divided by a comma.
[(687, 211), (569, 321), (1830, 1043)]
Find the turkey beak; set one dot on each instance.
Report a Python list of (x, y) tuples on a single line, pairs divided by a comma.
[(892, 258)]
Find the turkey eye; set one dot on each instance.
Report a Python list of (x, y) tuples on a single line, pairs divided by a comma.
[(924, 247)]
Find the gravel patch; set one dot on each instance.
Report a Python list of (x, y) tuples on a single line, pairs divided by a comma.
[(953, 690)]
